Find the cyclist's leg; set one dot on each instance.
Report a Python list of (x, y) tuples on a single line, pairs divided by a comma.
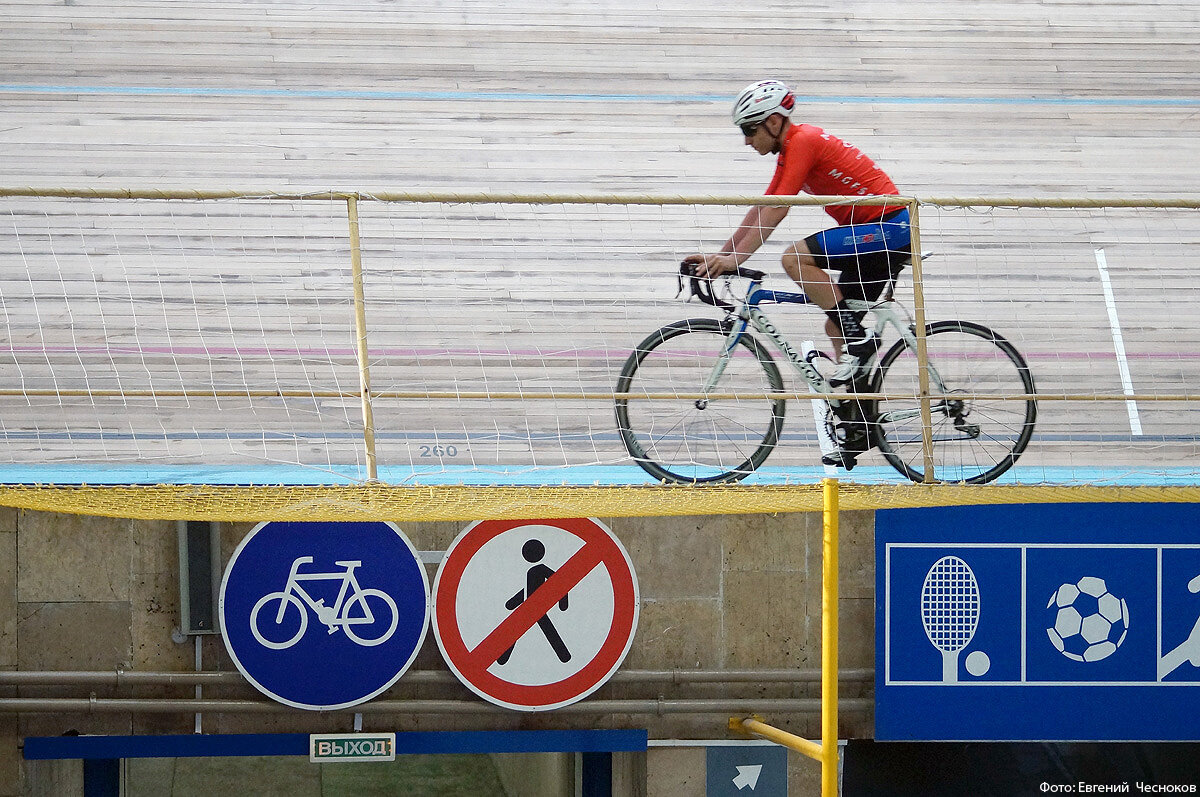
[(801, 264), (810, 266), (867, 255), (864, 277)]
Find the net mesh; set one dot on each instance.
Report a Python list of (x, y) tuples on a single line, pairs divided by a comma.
[(211, 342), (1099, 301), (211, 333), (251, 504), (950, 604)]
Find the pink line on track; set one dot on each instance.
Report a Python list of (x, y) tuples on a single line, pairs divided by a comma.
[(274, 351)]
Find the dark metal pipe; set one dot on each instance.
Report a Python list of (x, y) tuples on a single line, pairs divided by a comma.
[(95, 705), (120, 678)]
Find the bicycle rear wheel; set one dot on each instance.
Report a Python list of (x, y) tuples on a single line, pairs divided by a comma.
[(694, 439), (976, 437)]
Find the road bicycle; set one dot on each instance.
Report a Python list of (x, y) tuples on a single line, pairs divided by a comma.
[(702, 400), (351, 608)]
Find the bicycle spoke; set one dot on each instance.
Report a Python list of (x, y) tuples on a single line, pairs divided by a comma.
[(708, 438), (687, 440), (975, 438)]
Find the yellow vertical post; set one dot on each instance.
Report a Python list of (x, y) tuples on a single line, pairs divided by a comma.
[(827, 751), (922, 348), (360, 334), (829, 640)]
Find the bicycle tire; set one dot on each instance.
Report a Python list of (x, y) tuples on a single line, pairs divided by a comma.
[(975, 439), (698, 441)]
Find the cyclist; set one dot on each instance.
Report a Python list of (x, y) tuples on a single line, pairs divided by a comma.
[(870, 245)]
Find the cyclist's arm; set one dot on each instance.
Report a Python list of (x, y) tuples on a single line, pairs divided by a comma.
[(756, 228)]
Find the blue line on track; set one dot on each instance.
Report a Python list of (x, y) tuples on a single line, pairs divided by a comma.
[(580, 475), (17, 438), (364, 94)]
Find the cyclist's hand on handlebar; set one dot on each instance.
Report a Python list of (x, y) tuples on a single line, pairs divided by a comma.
[(708, 266)]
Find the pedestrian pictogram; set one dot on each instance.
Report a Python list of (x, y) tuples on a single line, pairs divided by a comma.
[(533, 551), (324, 615), (535, 615)]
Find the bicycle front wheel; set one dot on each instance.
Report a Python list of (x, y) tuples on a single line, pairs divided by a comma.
[(699, 437), (977, 432)]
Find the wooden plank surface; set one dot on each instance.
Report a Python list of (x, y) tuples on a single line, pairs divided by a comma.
[(971, 98)]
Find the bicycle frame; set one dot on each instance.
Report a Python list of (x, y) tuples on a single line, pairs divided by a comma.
[(886, 312)]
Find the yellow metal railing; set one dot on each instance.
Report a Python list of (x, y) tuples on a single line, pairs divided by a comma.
[(373, 497)]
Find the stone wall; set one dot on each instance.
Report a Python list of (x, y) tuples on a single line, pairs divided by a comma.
[(719, 592)]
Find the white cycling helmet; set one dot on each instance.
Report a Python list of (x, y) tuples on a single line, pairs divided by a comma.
[(759, 100)]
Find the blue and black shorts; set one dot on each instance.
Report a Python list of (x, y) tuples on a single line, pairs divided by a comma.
[(867, 255)]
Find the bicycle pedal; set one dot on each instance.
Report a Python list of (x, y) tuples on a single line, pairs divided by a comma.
[(971, 430), (840, 459), (853, 384)]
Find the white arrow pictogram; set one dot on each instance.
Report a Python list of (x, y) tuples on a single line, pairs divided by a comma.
[(747, 776)]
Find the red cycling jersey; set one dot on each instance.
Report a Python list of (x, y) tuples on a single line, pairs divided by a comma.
[(821, 164)]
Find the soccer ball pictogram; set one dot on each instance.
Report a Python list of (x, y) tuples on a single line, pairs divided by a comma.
[(1088, 623)]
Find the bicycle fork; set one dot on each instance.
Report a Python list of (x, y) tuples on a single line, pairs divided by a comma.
[(718, 369)]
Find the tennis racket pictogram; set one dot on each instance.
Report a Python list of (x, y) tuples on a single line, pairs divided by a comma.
[(950, 610)]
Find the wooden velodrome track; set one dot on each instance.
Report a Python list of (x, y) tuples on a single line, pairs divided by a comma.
[(976, 99)]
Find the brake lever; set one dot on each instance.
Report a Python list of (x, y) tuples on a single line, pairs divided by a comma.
[(700, 287)]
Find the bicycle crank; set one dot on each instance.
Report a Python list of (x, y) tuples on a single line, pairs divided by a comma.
[(840, 459), (971, 430)]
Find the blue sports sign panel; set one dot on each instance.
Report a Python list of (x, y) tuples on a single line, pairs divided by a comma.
[(1038, 622), (324, 615)]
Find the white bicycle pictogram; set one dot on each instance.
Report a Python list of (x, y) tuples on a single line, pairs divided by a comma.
[(351, 608)]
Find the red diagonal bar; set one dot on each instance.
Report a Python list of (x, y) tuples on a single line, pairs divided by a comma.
[(535, 606)]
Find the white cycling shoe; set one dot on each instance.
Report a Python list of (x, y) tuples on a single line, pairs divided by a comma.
[(855, 360)]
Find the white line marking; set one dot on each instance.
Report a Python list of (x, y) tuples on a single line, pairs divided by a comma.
[(1024, 612), (1135, 422), (887, 615), (1158, 620)]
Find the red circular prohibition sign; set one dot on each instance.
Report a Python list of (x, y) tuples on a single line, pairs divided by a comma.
[(600, 549)]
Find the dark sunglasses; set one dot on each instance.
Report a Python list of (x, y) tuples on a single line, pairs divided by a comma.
[(749, 130)]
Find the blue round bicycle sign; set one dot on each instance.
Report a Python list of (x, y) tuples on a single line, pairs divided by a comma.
[(324, 615)]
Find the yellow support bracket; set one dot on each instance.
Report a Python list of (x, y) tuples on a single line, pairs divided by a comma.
[(756, 727)]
